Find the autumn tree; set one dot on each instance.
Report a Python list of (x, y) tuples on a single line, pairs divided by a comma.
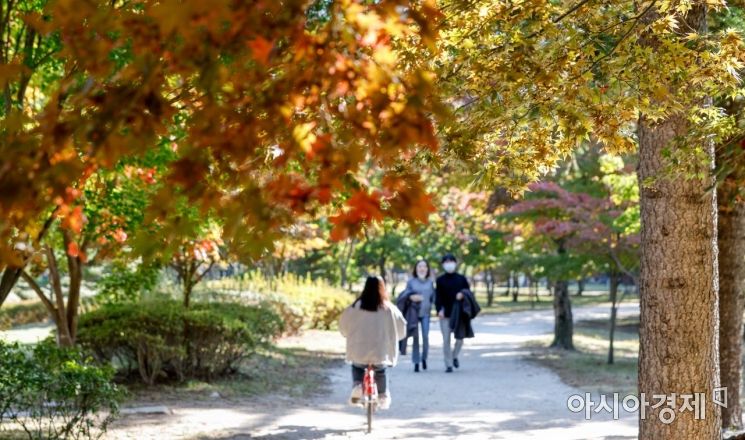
[(88, 231), (554, 215), (730, 240), (530, 82), (277, 110)]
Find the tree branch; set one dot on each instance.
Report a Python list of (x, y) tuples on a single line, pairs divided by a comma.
[(199, 277), (571, 10), (40, 293), (55, 281)]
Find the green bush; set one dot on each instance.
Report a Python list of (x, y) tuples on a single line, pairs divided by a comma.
[(124, 283), (163, 340), (54, 393), (302, 303)]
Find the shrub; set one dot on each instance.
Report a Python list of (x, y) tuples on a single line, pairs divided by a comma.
[(124, 283), (300, 302), (55, 393), (163, 340)]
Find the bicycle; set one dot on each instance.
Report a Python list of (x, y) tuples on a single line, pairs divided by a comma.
[(369, 395)]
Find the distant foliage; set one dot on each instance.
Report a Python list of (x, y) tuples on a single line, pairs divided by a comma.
[(53, 393), (162, 340), (123, 283), (302, 303), (26, 312)]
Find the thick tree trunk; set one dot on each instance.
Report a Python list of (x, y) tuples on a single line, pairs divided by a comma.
[(613, 314), (679, 328), (731, 225), (678, 283)]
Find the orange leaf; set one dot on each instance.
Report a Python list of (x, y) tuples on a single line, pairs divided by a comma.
[(339, 232), (74, 220), (72, 249), (120, 235), (260, 49)]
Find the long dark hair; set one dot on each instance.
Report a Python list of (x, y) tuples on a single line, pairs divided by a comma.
[(413, 271), (373, 295)]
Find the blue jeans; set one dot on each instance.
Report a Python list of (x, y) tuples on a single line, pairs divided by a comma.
[(416, 355), (381, 379)]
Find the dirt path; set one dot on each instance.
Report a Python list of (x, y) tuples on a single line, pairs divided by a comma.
[(495, 394)]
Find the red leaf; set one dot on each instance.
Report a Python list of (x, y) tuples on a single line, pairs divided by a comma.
[(260, 49), (72, 249)]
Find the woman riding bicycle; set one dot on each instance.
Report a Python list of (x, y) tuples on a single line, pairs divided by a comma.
[(372, 326)]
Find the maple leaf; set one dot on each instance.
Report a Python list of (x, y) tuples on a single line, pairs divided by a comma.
[(260, 50), (72, 249)]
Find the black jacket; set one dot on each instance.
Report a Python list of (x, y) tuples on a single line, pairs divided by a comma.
[(447, 286), (462, 313), (410, 310)]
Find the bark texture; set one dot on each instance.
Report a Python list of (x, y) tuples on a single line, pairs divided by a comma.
[(563, 320), (731, 278), (679, 329)]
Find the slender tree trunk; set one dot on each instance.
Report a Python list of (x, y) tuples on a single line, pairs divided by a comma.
[(731, 225), (381, 268), (187, 293), (563, 321), (516, 285), (75, 274), (490, 281), (343, 276), (580, 286), (613, 314), (509, 284)]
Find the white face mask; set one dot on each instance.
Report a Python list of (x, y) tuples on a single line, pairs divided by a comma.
[(449, 266), (421, 271)]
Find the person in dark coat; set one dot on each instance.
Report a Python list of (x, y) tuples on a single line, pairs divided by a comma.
[(449, 289), (463, 312)]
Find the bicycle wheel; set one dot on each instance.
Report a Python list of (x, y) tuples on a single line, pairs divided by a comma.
[(369, 416)]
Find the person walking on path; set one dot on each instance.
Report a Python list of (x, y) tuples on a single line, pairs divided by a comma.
[(372, 326), (450, 287), (416, 303)]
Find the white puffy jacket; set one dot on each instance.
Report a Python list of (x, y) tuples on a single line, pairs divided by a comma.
[(372, 337)]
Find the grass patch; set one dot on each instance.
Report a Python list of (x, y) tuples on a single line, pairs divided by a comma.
[(587, 367), (504, 304), (289, 372)]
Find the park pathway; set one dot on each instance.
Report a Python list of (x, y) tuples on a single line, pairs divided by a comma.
[(496, 394)]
